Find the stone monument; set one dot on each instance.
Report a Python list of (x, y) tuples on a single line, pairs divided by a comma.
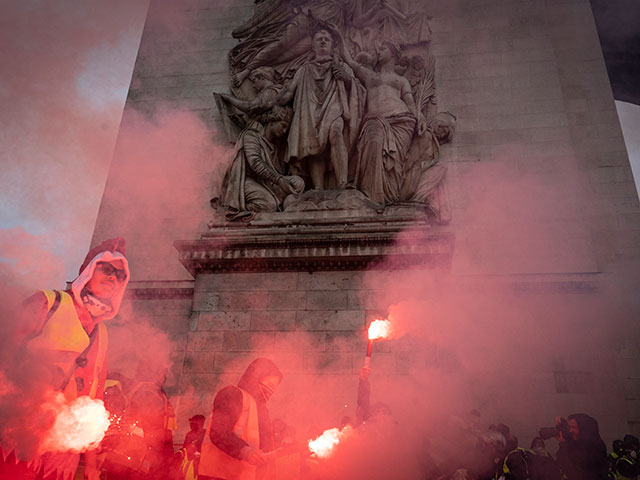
[(365, 141)]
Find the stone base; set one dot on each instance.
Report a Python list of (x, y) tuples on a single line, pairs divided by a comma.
[(319, 240)]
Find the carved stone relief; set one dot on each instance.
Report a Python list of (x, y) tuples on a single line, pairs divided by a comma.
[(333, 107)]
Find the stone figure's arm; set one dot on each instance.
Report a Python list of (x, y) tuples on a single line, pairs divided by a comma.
[(287, 95), (407, 98), (262, 169), (244, 105), (390, 8), (254, 154), (363, 73), (263, 101)]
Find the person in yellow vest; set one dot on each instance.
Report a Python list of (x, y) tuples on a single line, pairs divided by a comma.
[(627, 466), (66, 328), (240, 433), (150, 408)]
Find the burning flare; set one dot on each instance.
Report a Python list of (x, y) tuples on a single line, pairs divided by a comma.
[(323, 445), (79, 425), (380, 329)]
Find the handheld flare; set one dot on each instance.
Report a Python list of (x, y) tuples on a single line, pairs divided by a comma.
[(378, 329)]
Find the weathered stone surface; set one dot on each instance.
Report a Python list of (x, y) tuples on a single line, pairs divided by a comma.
[(330, 320), (201, 341), (280, 320), (224, 321)]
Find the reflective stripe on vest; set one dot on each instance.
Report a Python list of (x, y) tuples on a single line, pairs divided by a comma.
[(64, 336), (216, 463), (619, 476)]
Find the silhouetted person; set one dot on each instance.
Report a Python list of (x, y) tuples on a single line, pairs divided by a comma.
[(240, 433), (583, 455)]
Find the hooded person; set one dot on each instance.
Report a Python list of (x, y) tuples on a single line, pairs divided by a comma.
[(65, 332), (240, 432), (583, 456)]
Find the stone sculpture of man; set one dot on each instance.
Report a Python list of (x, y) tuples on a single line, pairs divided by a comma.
[(327, 105), (254, 182)]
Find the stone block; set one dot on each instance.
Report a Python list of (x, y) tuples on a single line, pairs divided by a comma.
[(287, 300), (248, 341), (334, 362), (327, 300), (204, 301), (199, 382), (243, 282), (290, 362), (274, 320), (330, 320), (330, 280), (346, 341), (232, 363), (223, 321), (198, 362), (204, 341), (300, 341)]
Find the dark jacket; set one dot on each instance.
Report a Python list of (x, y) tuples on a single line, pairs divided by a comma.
[(586, 457), (227, 407)]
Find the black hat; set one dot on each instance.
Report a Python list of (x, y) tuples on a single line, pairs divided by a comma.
[(195, 418)]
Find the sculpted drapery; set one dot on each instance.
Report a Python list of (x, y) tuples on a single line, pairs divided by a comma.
[(360, 79)]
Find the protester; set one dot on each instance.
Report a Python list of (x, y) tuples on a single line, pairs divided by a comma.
[(627, 466), (542, 465), (195, 434), (617, 451), (66, 329), (150, 408), (582, 454), (240, 432)]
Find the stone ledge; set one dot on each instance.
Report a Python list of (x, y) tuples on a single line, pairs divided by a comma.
[(336, 241), (148, 290)]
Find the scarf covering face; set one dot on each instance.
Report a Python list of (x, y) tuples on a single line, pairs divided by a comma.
[(101, 309), (250, 382)]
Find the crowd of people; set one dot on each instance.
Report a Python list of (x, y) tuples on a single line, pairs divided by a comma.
[(237, 440), (582, 455)]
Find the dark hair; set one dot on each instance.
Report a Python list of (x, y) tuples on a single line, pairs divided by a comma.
[(275, 114)]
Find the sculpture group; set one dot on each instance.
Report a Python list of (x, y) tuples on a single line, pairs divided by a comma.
[(333, 105)]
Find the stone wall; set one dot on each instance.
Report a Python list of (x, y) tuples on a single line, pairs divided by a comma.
[(536, 117)]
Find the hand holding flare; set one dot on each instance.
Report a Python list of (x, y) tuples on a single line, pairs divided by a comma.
[(378, 329)]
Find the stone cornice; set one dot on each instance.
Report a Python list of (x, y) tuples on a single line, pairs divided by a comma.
[(318, 244)]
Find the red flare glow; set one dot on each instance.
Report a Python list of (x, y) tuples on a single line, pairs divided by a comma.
[(79, 425), (323, 445), (380, 329)]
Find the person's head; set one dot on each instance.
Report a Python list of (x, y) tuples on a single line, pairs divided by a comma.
[(114, 399), (262, 77), (322, 42), (443, 127), (276, 121), (366, 59), (583, 427), (107, 278), (196, 423), (617, 446), (389, 52), (260, 379), (496, 440), (104, 275), (537, 445), (630, 443)]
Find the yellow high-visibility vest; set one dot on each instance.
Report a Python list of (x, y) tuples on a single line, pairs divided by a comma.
[(64, 338), (216, 463)]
